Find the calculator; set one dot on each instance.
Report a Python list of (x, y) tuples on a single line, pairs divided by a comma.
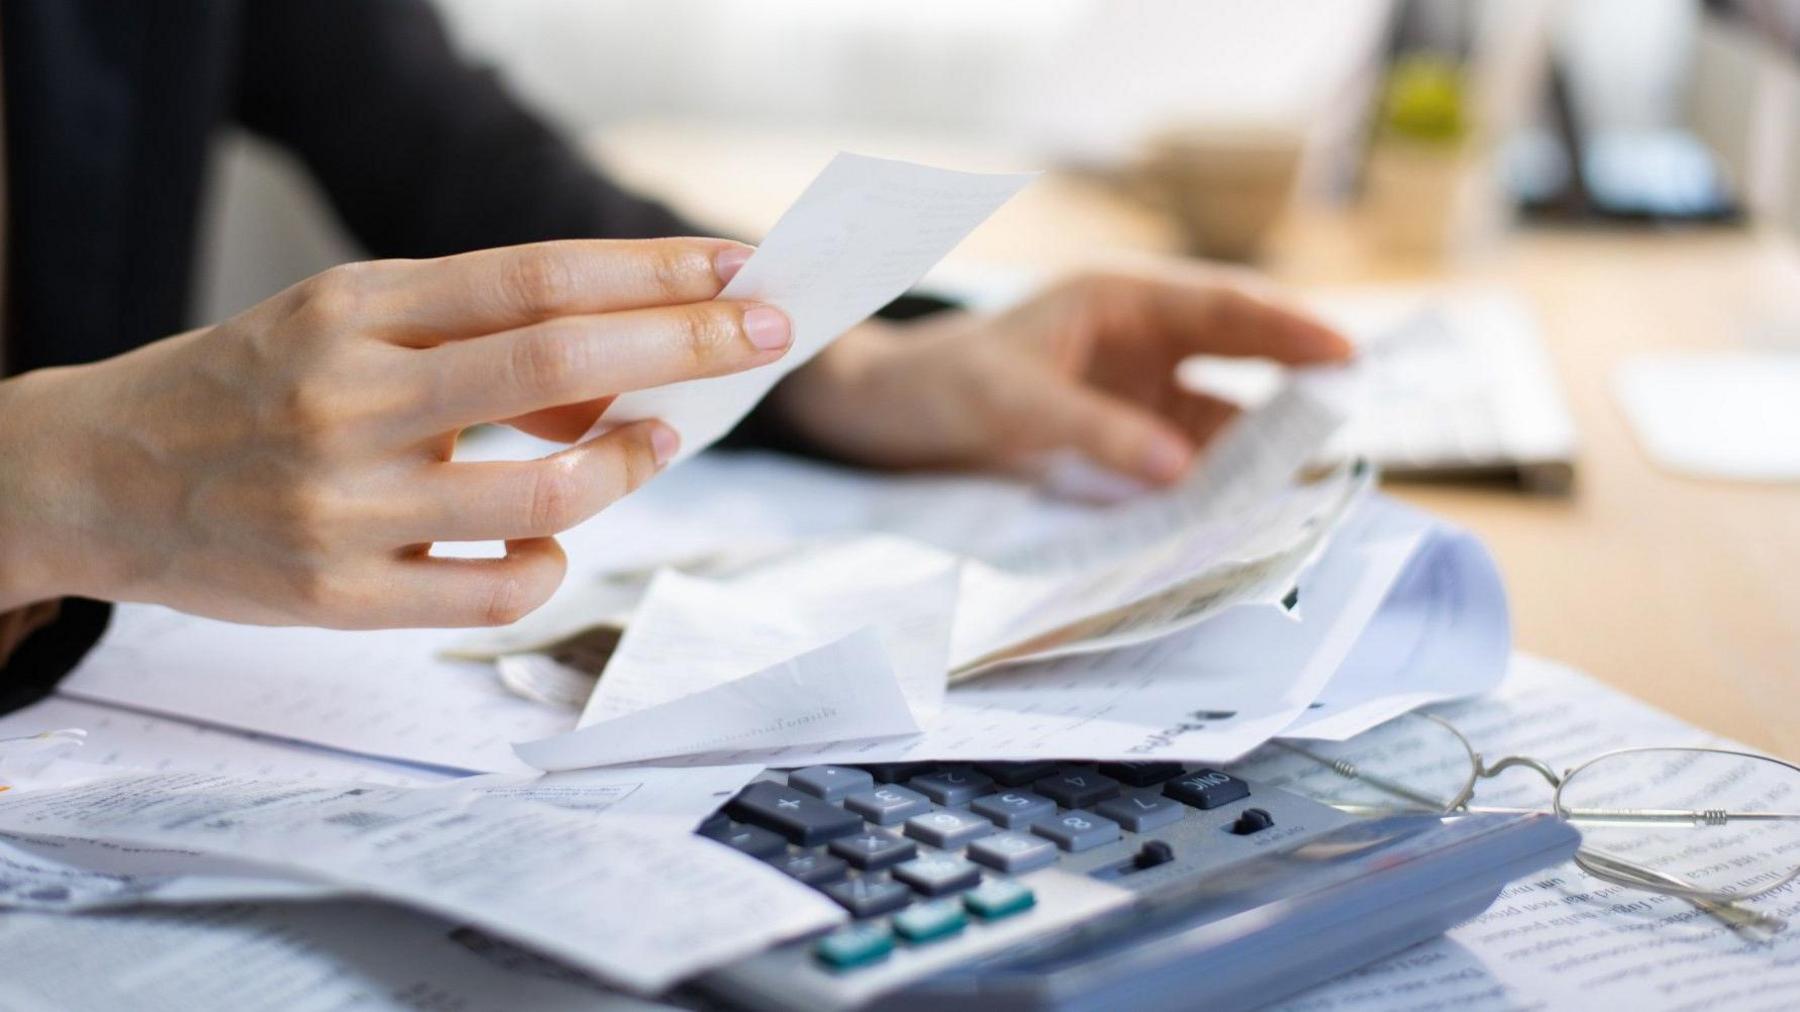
[(1114, 885)]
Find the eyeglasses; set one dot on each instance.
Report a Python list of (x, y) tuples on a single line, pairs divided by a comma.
[(1712, 826)]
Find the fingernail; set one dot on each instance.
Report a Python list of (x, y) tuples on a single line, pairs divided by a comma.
[(664, 443), (1167, 458), (767, 328), (727, 262)]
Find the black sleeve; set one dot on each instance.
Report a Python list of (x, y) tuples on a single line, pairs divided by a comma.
[(421, 153)]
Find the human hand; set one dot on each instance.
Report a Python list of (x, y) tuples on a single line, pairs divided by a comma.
[(293, 464), (1088, 364)]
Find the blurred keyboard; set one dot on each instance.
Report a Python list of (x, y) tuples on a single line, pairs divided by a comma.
[(940, 867), (1458, 384)]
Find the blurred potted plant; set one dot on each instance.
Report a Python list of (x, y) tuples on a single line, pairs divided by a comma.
[(1420, 163)]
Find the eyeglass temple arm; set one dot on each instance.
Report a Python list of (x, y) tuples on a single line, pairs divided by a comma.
[(1741, 919)]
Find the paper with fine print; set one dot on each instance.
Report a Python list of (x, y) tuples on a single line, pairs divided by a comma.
[(276, 957), (552, 879), (864, 231), (1564, 939)]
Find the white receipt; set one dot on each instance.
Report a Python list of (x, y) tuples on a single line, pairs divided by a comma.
[(691, 633), (1562, 939), (1443, 632), (384, 693), (864, 232), (145, 741), (281, 957), (639, 903), (845, 689), (1212, 692)]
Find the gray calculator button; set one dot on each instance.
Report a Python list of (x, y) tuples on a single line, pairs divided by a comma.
[(1078, 830), (811, 867), (1078, 788), (947, 827), (832, 783), (953, 786), (1142, 811), (888, 805), (874, 848), (938, 874), (1012, 852), (870, 895), (1013, 809)]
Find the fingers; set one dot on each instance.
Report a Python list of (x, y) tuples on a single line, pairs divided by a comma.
[(1205, 315), (424, 591), (1117, 435), (501, 500), (1237, 323), (582, 358), (426, 302), (1200, 416)]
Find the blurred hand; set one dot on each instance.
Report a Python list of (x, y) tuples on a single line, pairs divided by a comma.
[(293, 464), (1088, 364)]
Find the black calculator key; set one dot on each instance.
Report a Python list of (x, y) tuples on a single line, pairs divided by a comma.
[(802, 818), (1141, 774), (893, 773), (1143, 811), (1078, 788), (1016, 774), (830, 783), (874, 848), (888, 804), (870, 895), (938, 874), (1013, 809), (812, 867), (753, 840), (1206, 789), (1078, 830), (952, 785), (949, 828)]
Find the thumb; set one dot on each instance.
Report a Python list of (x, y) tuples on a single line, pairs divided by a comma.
[(1116, 434)]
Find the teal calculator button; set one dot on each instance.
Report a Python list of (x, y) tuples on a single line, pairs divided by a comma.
[(855, 945), (930, 921), (997, 898)]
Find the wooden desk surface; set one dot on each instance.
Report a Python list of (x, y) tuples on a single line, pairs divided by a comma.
[(1685, 593)]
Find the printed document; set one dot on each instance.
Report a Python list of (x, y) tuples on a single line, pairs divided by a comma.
[(278, 958), (639, 903)]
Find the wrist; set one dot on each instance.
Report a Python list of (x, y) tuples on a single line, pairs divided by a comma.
[(32, 512)]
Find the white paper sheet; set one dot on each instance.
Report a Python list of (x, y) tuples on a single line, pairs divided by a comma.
[(376, 693), (1205, 695), (280, 958), (691, 634), (1251, 461), (1719, 415), (55, 874), (1251, 556), (679, 797), (843, 689), (1564, 940), (1443, 632), (637, 902), (146, 741), (864, 232)]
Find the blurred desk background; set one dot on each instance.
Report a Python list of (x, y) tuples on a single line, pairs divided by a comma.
[(1685, 593)]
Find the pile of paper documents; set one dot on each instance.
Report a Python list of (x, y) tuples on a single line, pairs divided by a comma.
[(737, 613)]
